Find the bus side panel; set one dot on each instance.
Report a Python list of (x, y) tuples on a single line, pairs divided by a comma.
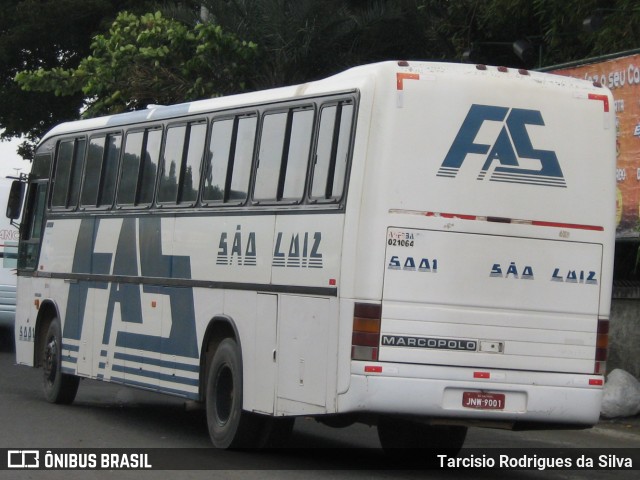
[(144, 332), (26, 316)]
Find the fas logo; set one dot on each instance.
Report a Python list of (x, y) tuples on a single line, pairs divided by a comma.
[(511, 146)]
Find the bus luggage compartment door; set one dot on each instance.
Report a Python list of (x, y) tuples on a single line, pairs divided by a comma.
[(464, 299)]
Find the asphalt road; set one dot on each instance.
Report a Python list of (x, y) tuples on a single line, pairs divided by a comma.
[(107, 416)]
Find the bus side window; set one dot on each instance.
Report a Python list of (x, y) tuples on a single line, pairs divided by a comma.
[(173, 150), (238, 184), (32, 230), (149, 168), (66, 184), (110, 170), (270, 156), (299, 147), (89, 196), (284, 155), (184, 146), (332, 152), (190, 175), (139, 167), (219, 152), (230, 156), (100, 171)]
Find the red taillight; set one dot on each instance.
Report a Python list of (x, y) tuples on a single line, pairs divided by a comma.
[(365, 339), (366, 331), (602, 345)]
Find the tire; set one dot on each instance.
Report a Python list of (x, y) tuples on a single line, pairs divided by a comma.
[(229, 425), (58, 387), (396, 434)]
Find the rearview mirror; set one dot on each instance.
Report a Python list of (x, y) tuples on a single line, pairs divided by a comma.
[(14, 204)]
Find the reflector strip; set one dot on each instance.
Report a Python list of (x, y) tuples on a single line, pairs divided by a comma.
[(372, 369), (596, 381), (481, 375), (602, 98), (574, 226), (401, 77), (535, 223)]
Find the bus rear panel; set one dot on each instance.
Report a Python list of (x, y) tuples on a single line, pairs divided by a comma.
[(486, 238)]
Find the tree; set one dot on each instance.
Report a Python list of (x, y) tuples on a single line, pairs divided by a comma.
[(299, 40), (302, 40), (553, 29), (267, 43), (47, 34), (149, 59)]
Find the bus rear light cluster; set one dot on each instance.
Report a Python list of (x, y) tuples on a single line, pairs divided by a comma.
[(366, 331), (602, 345)]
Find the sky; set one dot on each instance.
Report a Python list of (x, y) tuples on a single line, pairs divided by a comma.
[(10, 160)]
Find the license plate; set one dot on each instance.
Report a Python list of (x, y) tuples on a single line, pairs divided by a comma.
[(483, 400)]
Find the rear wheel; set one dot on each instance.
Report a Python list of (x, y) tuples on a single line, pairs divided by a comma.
[(58, 387), (396, 434), (229, 425)]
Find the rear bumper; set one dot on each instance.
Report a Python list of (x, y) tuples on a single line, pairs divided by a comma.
[(436, 392)]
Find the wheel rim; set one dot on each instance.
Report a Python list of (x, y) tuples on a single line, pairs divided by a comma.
[(51, 360), (224, 394)]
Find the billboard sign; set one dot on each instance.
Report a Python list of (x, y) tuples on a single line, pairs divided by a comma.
[(622, 76)]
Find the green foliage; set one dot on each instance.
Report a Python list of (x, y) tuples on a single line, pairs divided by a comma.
[(71, 57), (553, 27), (303, 40), (46, 34), (150, 59)]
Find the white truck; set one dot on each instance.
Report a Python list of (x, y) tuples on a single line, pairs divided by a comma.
[(9, 256)]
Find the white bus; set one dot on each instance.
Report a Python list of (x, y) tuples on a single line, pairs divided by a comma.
[(420, 246)]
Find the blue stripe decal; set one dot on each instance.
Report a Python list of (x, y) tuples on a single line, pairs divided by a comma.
[(69, 371), (155, 375), (155, 388), (157, 362), (74, 348), (139, 240), (69, 359)]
